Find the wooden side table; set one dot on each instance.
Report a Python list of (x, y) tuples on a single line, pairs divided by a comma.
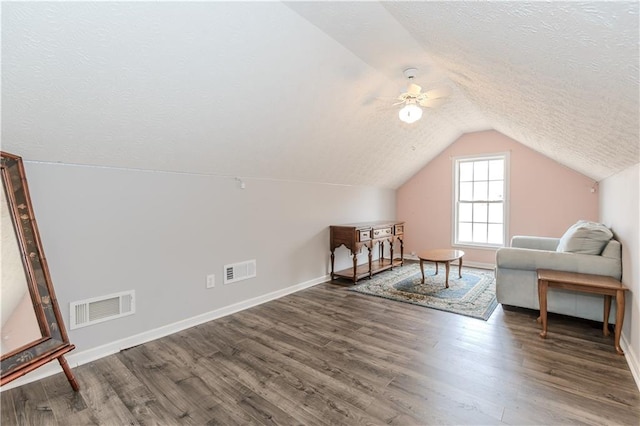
[(587, 283), (355, 236)]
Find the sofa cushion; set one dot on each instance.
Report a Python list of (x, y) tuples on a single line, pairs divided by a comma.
[(585, 237)]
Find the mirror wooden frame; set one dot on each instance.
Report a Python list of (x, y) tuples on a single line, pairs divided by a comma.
[(54, 342)]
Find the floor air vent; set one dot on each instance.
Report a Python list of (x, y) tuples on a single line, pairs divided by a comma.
[(99, 309), (239, 271)]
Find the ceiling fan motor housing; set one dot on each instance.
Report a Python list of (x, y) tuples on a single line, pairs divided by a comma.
[(410, 73)]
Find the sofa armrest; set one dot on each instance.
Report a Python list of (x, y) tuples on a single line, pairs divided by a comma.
[(536, 243), (612, 250), (527, 259)]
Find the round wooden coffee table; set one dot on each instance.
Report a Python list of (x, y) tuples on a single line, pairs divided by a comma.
[(441, 255)]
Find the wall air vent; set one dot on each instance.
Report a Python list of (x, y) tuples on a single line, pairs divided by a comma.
[(239, 271), (103, 308)]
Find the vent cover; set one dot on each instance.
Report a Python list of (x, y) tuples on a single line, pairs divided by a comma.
[(239, 271), (99, 309)]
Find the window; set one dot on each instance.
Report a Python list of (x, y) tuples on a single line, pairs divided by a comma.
[(480, 208)]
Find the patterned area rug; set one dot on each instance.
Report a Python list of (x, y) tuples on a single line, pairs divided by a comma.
[(473, 295)]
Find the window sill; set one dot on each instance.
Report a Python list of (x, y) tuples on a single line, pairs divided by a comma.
[(477, 246)]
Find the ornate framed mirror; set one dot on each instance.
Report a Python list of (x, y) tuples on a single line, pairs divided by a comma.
[(32, 330)]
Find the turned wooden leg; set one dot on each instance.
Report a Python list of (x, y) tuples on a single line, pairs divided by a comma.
[(605, 317), (391, 253), (370, 249), (460, 268), (619, 320), (542, 296), (436, 267), (333, 258), (422, 270), (67, 371), (355, 266), (446, 275)]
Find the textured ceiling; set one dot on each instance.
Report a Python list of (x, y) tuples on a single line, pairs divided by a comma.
[(302, 90)]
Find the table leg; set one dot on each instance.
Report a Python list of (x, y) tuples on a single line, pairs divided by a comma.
[(422, 270), (460, 268), (619, 320), (605, 317), (370, 250), (333, 258), (446, 277), (542, 296), (355, 265), (436, 267)]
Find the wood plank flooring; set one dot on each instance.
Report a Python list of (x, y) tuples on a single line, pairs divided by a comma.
[(329, 356)]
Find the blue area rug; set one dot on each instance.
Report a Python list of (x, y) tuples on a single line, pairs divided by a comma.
[(473, 295)]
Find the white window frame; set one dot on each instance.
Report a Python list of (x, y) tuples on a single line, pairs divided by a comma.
[(505, 202)]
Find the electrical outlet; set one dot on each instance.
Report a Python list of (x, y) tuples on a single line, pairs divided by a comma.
[(211, 281)]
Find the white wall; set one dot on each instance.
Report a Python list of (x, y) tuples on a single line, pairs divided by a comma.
[(619, 209), (108, 230)]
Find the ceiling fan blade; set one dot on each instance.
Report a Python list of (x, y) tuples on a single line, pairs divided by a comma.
[(441, 92), (398, 103), (432, 103), (414, 89)]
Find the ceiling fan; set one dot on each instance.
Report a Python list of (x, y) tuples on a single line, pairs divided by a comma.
[(414, 98)]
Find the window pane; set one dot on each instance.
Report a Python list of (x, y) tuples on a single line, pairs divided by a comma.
[(466, 191), (495, 213), (479, 232), (495, 234), (496, 169), (464, 232), (464, 212), (480, 190), (480, 170), (480, 212), (466, 171), (496, 190)]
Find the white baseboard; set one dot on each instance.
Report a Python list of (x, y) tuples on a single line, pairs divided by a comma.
[(79, 358), (632, 359)]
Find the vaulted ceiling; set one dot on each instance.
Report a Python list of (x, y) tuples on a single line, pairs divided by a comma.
[(303, 90)]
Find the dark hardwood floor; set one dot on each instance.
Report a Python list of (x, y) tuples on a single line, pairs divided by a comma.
[(329, 356)]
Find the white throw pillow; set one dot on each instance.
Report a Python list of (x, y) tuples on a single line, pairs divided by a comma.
[(585, 237)]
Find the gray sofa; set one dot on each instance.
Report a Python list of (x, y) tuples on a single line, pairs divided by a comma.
[(517, 283)]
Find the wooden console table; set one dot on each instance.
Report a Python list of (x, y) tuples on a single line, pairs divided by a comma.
[(367, 234), (595, 284)]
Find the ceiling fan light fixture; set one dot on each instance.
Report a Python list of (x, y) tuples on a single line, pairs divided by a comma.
[(410, 113)]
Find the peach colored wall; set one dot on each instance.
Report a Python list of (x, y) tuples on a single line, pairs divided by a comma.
[(545, 196)]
